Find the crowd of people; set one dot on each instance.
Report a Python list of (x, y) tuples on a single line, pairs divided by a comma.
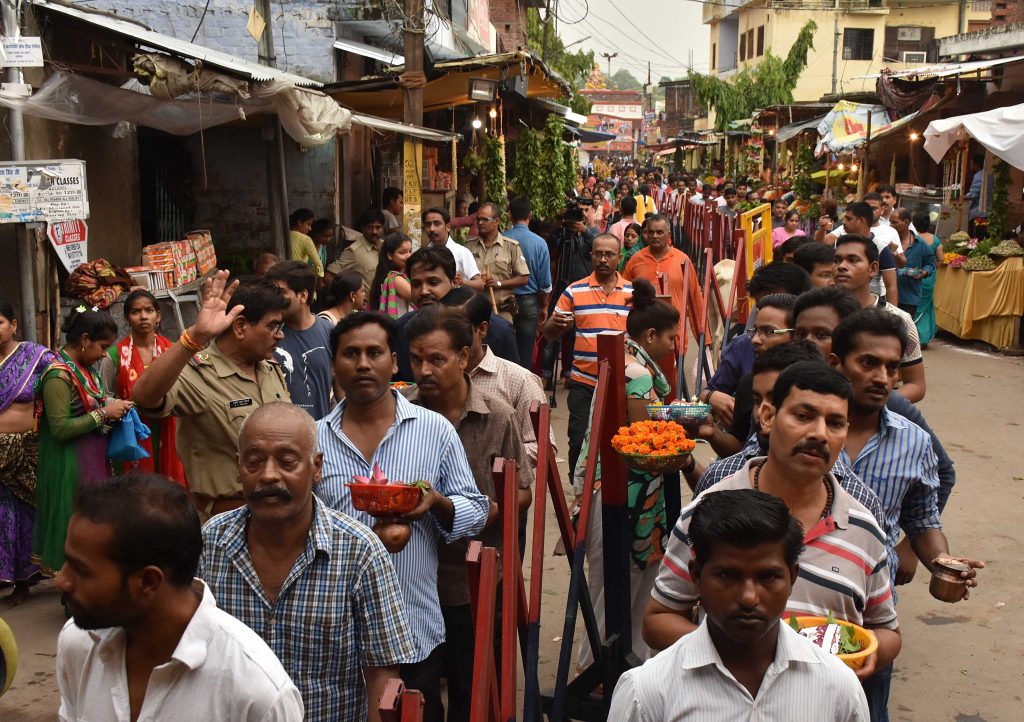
[(231, 564)]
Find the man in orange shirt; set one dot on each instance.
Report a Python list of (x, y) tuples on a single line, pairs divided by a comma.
[(660, 257)]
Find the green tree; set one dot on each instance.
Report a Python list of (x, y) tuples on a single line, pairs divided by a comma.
[(769, 83), (526, 181), (573, 66), (622, 79)]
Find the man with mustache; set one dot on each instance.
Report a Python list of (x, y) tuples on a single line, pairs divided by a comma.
[(285, 559), (376, 426), (743, 662), (440, 340), (843, 567), (597, 304), (856, 261), (892, 455), (432, 275), (815, 318), (146, 639)]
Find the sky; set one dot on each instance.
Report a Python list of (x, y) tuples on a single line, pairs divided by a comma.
[(670, 33)]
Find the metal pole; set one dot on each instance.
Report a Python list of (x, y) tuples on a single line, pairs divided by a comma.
[(835, 54), (25, 238)]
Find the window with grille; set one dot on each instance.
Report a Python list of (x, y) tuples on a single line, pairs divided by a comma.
[(760, 41), (858, 43)]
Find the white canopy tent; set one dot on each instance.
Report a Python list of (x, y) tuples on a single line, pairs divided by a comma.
[(1000, 130)]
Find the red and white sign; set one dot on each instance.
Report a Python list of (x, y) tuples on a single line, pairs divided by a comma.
[(70, 239)]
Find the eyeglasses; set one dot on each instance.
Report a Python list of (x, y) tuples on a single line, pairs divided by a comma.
[(485, 220), (603, 254), (766, 332)]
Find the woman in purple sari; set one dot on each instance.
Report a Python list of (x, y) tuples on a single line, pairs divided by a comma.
[(20, 365), (74, 415)]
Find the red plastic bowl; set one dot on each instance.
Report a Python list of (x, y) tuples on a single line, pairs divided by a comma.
[(385, 499)]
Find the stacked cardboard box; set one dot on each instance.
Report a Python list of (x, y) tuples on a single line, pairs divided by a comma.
[(202, 246)]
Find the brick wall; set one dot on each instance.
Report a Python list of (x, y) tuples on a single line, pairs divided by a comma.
[(509, 20)]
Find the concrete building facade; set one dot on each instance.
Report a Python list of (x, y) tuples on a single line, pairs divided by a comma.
[(854, 37)]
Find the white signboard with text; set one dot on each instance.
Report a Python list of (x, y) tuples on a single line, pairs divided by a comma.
[(43, 190), (21, 52)]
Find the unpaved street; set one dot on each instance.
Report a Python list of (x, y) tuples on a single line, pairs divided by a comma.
[(962, 662)]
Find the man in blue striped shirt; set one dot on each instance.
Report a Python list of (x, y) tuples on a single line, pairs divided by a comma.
[(375, 426), (892, 455)]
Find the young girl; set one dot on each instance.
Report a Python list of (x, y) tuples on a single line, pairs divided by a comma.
[(346, 296), (390, 291), (632, 241), (130, 357)]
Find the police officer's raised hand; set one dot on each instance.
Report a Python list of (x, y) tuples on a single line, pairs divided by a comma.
[(214, 317)]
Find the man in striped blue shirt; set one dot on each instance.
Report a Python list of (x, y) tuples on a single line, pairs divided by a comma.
[(374, 425), (892, 455)]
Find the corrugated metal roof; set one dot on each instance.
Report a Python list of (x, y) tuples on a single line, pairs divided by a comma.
[(159, 41), (943, 70), (369, 51)]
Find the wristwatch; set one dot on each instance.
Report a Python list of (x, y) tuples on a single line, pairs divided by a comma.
[(499, 284)]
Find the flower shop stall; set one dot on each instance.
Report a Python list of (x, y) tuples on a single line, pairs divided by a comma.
[(979, 290)]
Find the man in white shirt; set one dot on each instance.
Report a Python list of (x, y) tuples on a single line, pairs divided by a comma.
[(863, 221), (741, 662), (147, 640), (437, 226)]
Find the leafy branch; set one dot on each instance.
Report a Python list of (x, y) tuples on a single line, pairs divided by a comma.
[(769, 83)]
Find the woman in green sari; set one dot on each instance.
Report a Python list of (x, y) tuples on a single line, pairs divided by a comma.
[(74, 413), (925, 317), (652, 327)]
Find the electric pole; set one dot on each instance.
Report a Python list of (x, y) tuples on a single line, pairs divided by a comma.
[(413, 29), (277, 187), (608, 57)]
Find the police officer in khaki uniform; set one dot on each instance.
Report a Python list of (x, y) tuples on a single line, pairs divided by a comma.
[(500, 260), (219, 372)]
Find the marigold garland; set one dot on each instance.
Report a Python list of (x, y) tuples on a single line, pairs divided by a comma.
[(652, 438)]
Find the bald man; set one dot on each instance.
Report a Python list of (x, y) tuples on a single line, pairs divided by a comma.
[(317, 585)]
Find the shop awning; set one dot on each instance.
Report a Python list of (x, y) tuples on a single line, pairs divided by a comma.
[(369, 51), (787, 132), (943, 70), (1000, 130), (382, 96), (158, 41), (586, 135), (562, 110), (393, 126)]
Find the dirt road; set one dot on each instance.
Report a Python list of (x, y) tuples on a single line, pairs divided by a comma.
[(962, 662)]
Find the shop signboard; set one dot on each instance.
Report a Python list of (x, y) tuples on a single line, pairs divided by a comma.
[(43, 190), (412, 178), (70, 239)]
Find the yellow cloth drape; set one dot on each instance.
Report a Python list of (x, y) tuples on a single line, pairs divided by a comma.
[(982, 305)]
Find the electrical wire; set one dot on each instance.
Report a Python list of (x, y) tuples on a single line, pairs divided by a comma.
[(201, 19)]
